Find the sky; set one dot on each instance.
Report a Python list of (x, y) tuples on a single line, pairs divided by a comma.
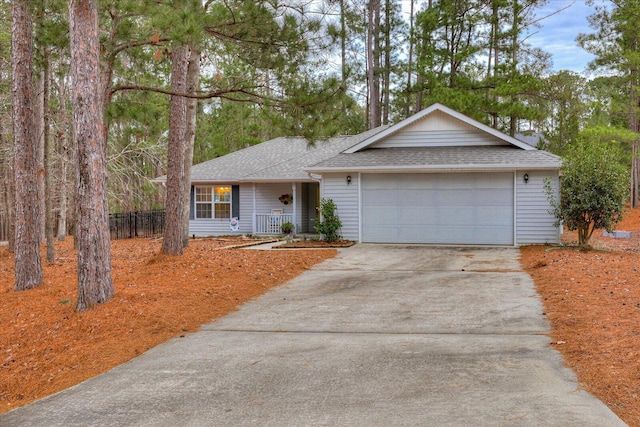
[(558, 34)]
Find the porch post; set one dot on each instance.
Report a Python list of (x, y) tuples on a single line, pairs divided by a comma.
[(295, 223), (253, 217)]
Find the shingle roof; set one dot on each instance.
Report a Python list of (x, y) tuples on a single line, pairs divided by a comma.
[(292, 158), (440, 158), (279, 159), (293, 168)]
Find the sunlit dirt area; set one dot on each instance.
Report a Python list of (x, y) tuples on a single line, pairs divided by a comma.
[(592, 300), (45, 346)]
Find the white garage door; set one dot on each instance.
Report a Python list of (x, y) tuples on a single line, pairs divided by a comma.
[(463, 208)]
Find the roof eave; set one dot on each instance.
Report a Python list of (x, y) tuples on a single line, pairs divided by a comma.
[(434, 168), (277, 180)]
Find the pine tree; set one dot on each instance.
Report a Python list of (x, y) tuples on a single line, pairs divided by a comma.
[(28, 268), (615, 45), (95, 285)]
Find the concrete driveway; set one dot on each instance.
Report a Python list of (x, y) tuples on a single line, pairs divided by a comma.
[(380, 336)]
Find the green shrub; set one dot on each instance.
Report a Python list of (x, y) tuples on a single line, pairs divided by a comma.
[(594, 188), (330, 223)]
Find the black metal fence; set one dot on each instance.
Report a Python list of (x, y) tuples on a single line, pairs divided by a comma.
[(136, 224), (4, 229)]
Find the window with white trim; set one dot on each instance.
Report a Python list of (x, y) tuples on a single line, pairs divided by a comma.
[(222, 202), (212, 202), (203, 200)]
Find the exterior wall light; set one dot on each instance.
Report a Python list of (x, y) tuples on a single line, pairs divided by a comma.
[(525, 177), (348, 179)]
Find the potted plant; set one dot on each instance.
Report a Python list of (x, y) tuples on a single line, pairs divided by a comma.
[(287, 227)]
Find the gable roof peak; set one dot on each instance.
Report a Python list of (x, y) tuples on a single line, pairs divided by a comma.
[(430, 110)]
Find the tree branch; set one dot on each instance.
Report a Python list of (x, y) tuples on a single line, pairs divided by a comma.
[(206, 95)]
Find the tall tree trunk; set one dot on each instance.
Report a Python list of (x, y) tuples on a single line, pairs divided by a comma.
[(8, 182), (28, 268), (373, 62), (634, 125), (344, 71), (386, 100), (11, 198), (63, 189), (193, 83), (47, 163), (343, 41), (634, 175), (172, 243), (64, 153), (493, 52), (39, 118), (410, 60), (95, 284)]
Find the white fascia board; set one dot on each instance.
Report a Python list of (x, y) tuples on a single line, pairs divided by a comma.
[(214, 182), (276, 180), (435, 168), (439, 107)]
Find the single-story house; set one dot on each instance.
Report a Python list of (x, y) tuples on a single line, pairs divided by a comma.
[(437, 177)]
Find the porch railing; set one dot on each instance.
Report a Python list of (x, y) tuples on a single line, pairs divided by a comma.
[(271, 223)]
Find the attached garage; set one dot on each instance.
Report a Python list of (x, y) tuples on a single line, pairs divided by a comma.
[(440, 177), (438, 208)]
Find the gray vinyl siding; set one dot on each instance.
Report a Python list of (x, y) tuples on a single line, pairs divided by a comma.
[(267, 198), (345, 196), (534, 223), (220, 226), (442, 138), (246, 209)]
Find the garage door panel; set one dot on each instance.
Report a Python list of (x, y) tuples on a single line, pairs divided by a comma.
[(438, 208)]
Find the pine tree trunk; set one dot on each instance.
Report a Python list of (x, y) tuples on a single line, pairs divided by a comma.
[(64, 155), (174, 210), (47, 163), (386, 90), (193, 83), (373, 62), (410, 61), (39, 134), (634, 175), (95, 284), (63, 190), (11, 199), (28, 268)]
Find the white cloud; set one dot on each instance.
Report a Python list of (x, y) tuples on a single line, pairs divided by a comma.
[(559, 32)]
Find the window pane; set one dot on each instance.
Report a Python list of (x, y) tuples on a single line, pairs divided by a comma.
[(203, 210), (222, 194), (203, 194), (223, 210)]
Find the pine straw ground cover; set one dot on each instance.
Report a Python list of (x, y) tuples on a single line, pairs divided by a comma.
[(45, 346), (592, 300)]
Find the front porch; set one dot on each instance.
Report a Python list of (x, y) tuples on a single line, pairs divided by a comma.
[(271, 207), (254, 208), (272, 223)]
